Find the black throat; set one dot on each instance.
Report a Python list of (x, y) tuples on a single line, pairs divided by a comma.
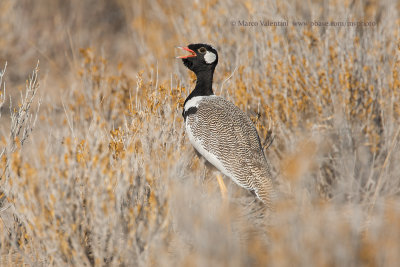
[(203, 85)]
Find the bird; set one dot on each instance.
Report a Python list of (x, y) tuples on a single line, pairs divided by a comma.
[(221, 132)]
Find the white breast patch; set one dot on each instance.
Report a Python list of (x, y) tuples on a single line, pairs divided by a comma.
[(193, 102)]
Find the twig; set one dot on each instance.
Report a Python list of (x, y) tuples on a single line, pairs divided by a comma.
[(222, 85), (2, 94), (385, 163), (269, 139)]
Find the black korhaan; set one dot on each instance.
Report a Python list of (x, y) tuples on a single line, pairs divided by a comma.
[(222, 133)]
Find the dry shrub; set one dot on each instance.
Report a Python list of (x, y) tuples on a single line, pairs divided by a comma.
[(108, 177)]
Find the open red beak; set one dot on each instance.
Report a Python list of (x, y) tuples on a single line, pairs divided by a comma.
[(193, 54)]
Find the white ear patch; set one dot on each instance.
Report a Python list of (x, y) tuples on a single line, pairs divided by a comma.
[(210, 57)]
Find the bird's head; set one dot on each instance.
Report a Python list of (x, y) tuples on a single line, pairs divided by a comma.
[(202, 57)]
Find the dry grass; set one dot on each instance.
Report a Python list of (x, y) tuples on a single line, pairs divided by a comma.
[(107, 177)]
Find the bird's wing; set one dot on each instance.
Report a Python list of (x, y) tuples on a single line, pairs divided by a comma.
[(225, 131)]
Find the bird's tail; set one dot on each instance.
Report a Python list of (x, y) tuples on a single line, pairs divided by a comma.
[(266, 192)]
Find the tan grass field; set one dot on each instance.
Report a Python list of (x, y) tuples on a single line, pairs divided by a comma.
[(95, 167)]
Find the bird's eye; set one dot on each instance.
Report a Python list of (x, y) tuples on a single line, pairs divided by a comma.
[(202, 50)]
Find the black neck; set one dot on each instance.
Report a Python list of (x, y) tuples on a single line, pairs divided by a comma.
[(203, 84)]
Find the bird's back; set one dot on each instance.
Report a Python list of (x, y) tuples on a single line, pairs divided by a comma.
[(226, 137)]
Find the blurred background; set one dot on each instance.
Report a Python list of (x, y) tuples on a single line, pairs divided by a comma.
[(108, 177), (143, 34)]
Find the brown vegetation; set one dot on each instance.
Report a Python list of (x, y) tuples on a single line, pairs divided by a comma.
[(95, 168)]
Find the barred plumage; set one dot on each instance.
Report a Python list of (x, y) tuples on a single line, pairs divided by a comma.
[(226, 132)]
